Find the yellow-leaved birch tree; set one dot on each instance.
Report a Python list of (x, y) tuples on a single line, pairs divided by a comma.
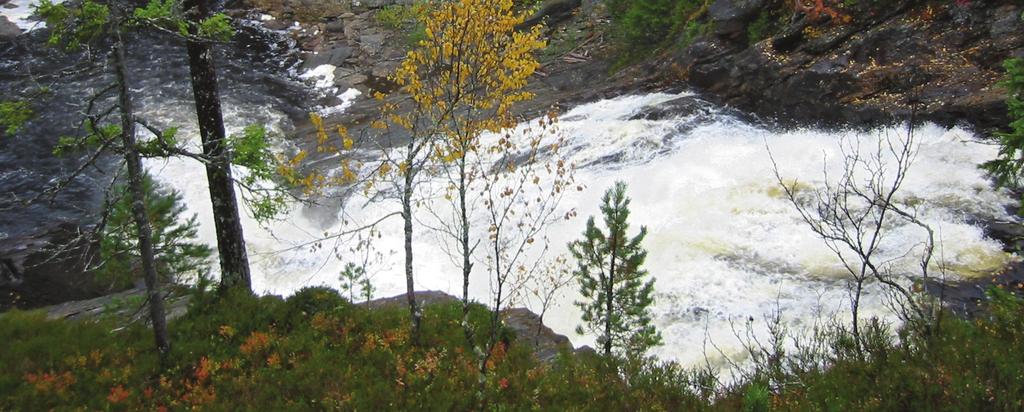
[(460, 81)]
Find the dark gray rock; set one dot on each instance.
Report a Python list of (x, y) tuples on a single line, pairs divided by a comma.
[(335, 57), (346, 77), (335, 26), (372, 43), (8, 30), (277, 24), (730, 17), (553, 12), (530, 330), (127, 305), (428, 297), (1007, 21), (683, 106)]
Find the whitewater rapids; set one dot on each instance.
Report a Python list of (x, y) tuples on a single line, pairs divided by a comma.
[(724, 244)]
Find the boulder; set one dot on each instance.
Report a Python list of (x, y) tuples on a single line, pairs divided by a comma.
[(730, 17), (1007, 22), (8, 30), (553, 11), (528, 328), (345, 77), (372, 43), (277, 24), (335, 26), (384, 69), (334, 57)]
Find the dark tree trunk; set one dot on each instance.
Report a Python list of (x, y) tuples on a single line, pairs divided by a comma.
[(234, 263), (609, 295), (156, 303), (414, 310)]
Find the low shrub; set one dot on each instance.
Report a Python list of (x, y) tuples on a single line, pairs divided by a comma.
[(315, 351)]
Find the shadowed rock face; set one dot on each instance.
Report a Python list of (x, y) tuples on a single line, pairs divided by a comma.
[(943, 61), (46, 269)]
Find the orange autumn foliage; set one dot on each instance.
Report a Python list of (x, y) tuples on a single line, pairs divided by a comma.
[(50, 382), (256, 342), (815, 9), (118, 394)]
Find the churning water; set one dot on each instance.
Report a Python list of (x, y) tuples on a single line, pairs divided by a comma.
[(724, 244)]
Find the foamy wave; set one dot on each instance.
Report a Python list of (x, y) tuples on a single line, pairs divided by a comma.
[(724, 245)]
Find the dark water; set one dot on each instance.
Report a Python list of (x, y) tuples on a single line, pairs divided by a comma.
[(254, 78)]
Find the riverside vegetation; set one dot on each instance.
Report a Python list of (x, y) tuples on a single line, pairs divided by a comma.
[(318, 350)]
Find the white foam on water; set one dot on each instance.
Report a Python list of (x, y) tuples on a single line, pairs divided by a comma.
[(723, 245), (21, 14), (347, 98), (322, 76)]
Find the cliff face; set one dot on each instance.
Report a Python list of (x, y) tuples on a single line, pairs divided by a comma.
[(869, 64), (861, 64)]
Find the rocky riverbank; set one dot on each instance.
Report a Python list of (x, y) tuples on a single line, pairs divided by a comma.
[(872, 64), (129, 307), (940, 59)]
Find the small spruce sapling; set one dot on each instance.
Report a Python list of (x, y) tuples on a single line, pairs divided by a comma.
[(174, 238), (617, 294)]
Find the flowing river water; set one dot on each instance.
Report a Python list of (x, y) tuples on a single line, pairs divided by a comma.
[(724, 245)]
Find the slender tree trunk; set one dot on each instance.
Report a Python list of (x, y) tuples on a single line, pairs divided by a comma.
[(467, 266), (414, 310), (156, 303), (855, 308), (234, 262), (500, 277), (609, 299)]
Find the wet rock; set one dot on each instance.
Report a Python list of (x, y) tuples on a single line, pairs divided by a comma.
[(46, 269), (8, 30), (683, 106), (346, 77), (335, 57), (790, 38), (1010, 234), (277, 24), (313, 43), (730, 17)]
